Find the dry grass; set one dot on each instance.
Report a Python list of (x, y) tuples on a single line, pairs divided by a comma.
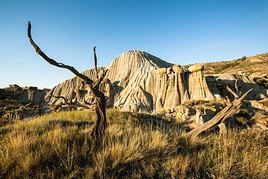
[(58, 145), (255, 65)]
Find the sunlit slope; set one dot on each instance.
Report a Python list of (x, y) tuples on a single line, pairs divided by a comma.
[(253, 65)]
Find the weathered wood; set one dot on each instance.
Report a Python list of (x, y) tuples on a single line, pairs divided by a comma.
[(95, 62), (220, 117), (223, 129), (101, 122), (232, 92)]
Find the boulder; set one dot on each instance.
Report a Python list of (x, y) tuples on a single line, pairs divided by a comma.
[(161, 71), (177, 69), (196, 67)]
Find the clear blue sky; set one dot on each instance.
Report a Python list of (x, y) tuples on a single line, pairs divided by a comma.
[(179, 31)]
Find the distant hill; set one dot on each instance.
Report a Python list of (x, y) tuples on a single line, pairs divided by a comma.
[(253, 66)]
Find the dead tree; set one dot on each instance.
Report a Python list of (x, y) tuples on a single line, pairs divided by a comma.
[(220, 117), (101, 123)]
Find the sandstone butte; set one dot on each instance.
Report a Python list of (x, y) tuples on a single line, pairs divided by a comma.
[(140, 82)]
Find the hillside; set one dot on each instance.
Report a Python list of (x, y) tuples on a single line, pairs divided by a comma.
[(252, 65), (21, 102)]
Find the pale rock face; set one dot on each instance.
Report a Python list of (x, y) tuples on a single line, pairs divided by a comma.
[(141, 82), (196, 68), (160, 71), (177, 69), (242, 82)]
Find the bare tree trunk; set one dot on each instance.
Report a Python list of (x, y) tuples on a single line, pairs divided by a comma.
[(101, 123)]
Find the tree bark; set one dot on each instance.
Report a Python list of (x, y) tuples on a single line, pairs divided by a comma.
[(101, 122)]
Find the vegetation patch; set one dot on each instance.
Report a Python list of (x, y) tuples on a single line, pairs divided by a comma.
[(58, 145)]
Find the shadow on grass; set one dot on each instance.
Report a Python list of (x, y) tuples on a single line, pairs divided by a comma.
[(158, 123), (66, 123)]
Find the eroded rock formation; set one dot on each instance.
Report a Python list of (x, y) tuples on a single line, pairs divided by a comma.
[(140, 82), (18, 103)]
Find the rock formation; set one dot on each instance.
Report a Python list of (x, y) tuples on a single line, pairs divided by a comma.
[(24, 95), (239, 83), (18, 103), (140, 82)]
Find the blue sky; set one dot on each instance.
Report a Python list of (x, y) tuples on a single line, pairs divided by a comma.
[(179, 31)]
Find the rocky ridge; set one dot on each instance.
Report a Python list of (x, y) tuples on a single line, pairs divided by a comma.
[(18, 103), (137, 81), (140, 82)]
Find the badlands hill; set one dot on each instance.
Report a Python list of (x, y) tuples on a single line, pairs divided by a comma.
[(137, 81), (140, 82), (21, 102)]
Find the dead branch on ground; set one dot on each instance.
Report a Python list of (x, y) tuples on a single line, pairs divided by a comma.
[(220, 117)]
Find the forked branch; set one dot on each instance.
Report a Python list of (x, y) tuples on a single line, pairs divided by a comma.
[(54, 62)]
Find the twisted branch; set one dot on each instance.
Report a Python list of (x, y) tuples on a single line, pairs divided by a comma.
[(52, 61)]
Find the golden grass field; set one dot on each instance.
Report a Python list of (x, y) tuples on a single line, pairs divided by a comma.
[(58, 145)]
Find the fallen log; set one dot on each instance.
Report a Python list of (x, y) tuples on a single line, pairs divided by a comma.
[(220, 117)]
